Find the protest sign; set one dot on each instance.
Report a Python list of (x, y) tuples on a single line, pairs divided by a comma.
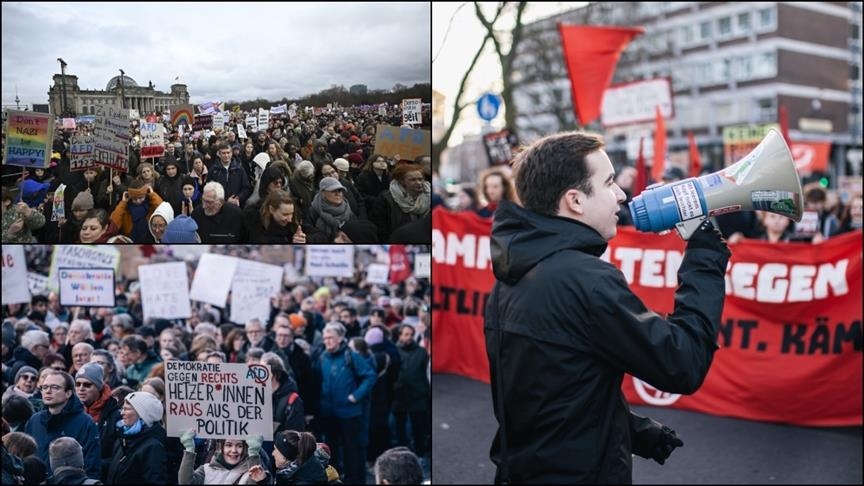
[(111, 142), (182, 114), (164, 290), (263, 119), (38, 284), (28, 139), (81, 152), (68, 124), (202, 122), (329, 261), (152, 140), (241, 132), (253, 285), (218, 400), (58, 209), (252, 123), (411, 111), (423, 265), (408, 143), (87, 287), (81, 256), (382, 109), (15, 284), (218, 121), (213, 278), (278, 110), (377, 273)]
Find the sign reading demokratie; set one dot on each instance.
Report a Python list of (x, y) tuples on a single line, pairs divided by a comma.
[(219, 400)]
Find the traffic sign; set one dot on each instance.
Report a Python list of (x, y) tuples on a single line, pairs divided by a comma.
[(487, 106)]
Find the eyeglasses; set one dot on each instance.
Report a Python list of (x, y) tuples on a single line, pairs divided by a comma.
[(52, 388), (29, 377), (83, 384), (41, 346)]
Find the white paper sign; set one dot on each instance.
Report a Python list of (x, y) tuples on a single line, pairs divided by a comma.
[(241, 132), (411, 111), (15, 284), (263, 119), (253, 285), (86, 287), (218, 400), (164, 290), (81, 256), (38, 283), (377, 273), (218, 121), (329, 261), (213, 279), (423, 265)]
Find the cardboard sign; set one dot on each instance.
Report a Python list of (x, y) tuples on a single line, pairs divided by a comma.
[(164, 290), (218, 400), (253, 285), (218, 121), (213, 278), (252, 123), (377, 273), (411, 111), (241, 132), (86, 287), (329, 261), (423, 265), (28, 139), (81, 256), (15, 283), (112, 138), (81, 153), (152, 139), (408, 143), (38, 284)]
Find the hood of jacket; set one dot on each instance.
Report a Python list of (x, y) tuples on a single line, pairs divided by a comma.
[(166, 211), (270, 174), (522, 238)]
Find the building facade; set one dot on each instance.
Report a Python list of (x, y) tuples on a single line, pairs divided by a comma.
[(145, 99)]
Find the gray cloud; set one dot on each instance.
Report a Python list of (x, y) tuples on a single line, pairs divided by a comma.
[(225, 51)]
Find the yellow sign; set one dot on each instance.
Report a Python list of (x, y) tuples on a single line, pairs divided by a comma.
[(747, 133)]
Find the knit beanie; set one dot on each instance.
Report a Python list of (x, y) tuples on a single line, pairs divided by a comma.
[(25, 369), (341, 164), (306, 169), (147, 406), (84, 200), (91, 372), (280, 440), (65, 452), (183, 229), (374, 336), (297, 321)]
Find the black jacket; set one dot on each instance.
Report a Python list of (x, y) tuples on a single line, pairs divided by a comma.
[(139, 458), (571, 329), (234, 180), (225, 227), (69, 475)]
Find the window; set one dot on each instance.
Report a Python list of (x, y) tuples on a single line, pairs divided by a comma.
[(724, 27), (766, 65), (853, 72), (705, 30), (744, 22), (686, 35), (766, 18)]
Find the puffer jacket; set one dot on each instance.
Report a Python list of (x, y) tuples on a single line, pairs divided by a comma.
[(139, 458), (566, 327)]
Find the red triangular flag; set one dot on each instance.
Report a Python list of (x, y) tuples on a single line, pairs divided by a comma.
[(784, 124), (590, 54), (659, 147), (641, 174), (695, 159)]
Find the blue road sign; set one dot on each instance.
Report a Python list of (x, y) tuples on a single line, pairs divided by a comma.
[(487, 106)]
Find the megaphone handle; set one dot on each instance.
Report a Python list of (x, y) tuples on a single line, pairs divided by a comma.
[(687, 228)]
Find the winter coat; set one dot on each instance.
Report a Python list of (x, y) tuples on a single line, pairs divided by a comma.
[(382, 393), (122, 217), (387, 215), (371, 187), (13, 468), (355, 378), (570, 327), (21, 356), (139, 371), (234, 180), (311, 472), (35, 221), (171, 189), (411, 393), (70, 475), (289, 411), (217, 471), (72, 421), (225, 227), (108, 413), (139, 458)]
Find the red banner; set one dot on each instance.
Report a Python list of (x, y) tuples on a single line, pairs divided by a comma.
[(790, 340)]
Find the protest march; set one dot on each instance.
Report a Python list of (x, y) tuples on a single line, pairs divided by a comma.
[(214, 364)]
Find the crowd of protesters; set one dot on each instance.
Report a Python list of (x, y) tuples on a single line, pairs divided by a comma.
[(310, 178), (84, 387)]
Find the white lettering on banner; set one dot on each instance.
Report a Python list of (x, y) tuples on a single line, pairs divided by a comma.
[(475, 252), (659, 268), (779, 283)]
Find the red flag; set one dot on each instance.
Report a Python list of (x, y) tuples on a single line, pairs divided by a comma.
[(659, 147), (641, 174), (784, 124), (400, 265), (695, 161), (591, 53)]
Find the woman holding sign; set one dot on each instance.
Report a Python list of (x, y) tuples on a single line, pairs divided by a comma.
[(237, 462)]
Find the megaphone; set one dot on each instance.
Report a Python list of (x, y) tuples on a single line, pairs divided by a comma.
[(765, 180)]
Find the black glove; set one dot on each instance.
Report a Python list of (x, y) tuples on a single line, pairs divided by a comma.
[(708, 237), (652, 440), (666, 443)]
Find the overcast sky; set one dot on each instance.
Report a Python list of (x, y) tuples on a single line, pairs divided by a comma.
[(222, 51)]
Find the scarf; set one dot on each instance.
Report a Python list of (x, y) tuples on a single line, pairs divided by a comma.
[(407, 203), (134, 429), (140, 228), (331, 218)]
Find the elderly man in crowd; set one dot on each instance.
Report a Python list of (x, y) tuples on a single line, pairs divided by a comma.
[(34, 347), (218, 223), (103, 408), (81, 353)]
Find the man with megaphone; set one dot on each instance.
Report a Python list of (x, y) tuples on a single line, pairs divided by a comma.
[(562, 326)]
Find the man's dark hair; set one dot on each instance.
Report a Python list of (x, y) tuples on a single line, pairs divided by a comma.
[(553, 165), (398, 466), (135, 342), (38, 299), (222, 146)]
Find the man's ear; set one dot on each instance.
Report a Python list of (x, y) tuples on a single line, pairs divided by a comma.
[(572, 202)]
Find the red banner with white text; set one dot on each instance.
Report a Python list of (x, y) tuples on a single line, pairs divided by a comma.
[(790, 338)]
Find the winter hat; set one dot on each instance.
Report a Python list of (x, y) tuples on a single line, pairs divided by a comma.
[(84, 200), (361, 231), (297, 320), (25, 369), (356, 159), (91, 372), (306, 168), (170, 161), (321, 291), (146, 405), (65, 452), (187, 181), (330, 184), (374, 336), (280, 440), (33, 192), (341, 164), (181, 230)]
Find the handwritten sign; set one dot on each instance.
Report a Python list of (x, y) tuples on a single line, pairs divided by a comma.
[(213, 278), (253, 285), (164, 290), (423, 265), (241, 132), (38, 284), (81, 152), (58, 209), (218, 121), (15, 288), (252, 123), (203, 122), (411, 111), (28, 139), (87, 287), (112, 138), (263, 118), (408, 143), (329, 261), (219, 400), (81, 256), (377, 273), (152, 140)]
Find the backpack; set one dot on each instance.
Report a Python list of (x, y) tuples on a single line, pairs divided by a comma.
[(293, 416)]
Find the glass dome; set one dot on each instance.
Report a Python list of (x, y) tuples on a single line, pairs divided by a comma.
[(115, 83)]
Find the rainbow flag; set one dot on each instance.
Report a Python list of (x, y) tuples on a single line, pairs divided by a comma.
[(182, 114), (28, 139)]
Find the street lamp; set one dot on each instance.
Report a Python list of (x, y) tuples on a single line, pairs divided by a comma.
[(122, 91), (63, 84)]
